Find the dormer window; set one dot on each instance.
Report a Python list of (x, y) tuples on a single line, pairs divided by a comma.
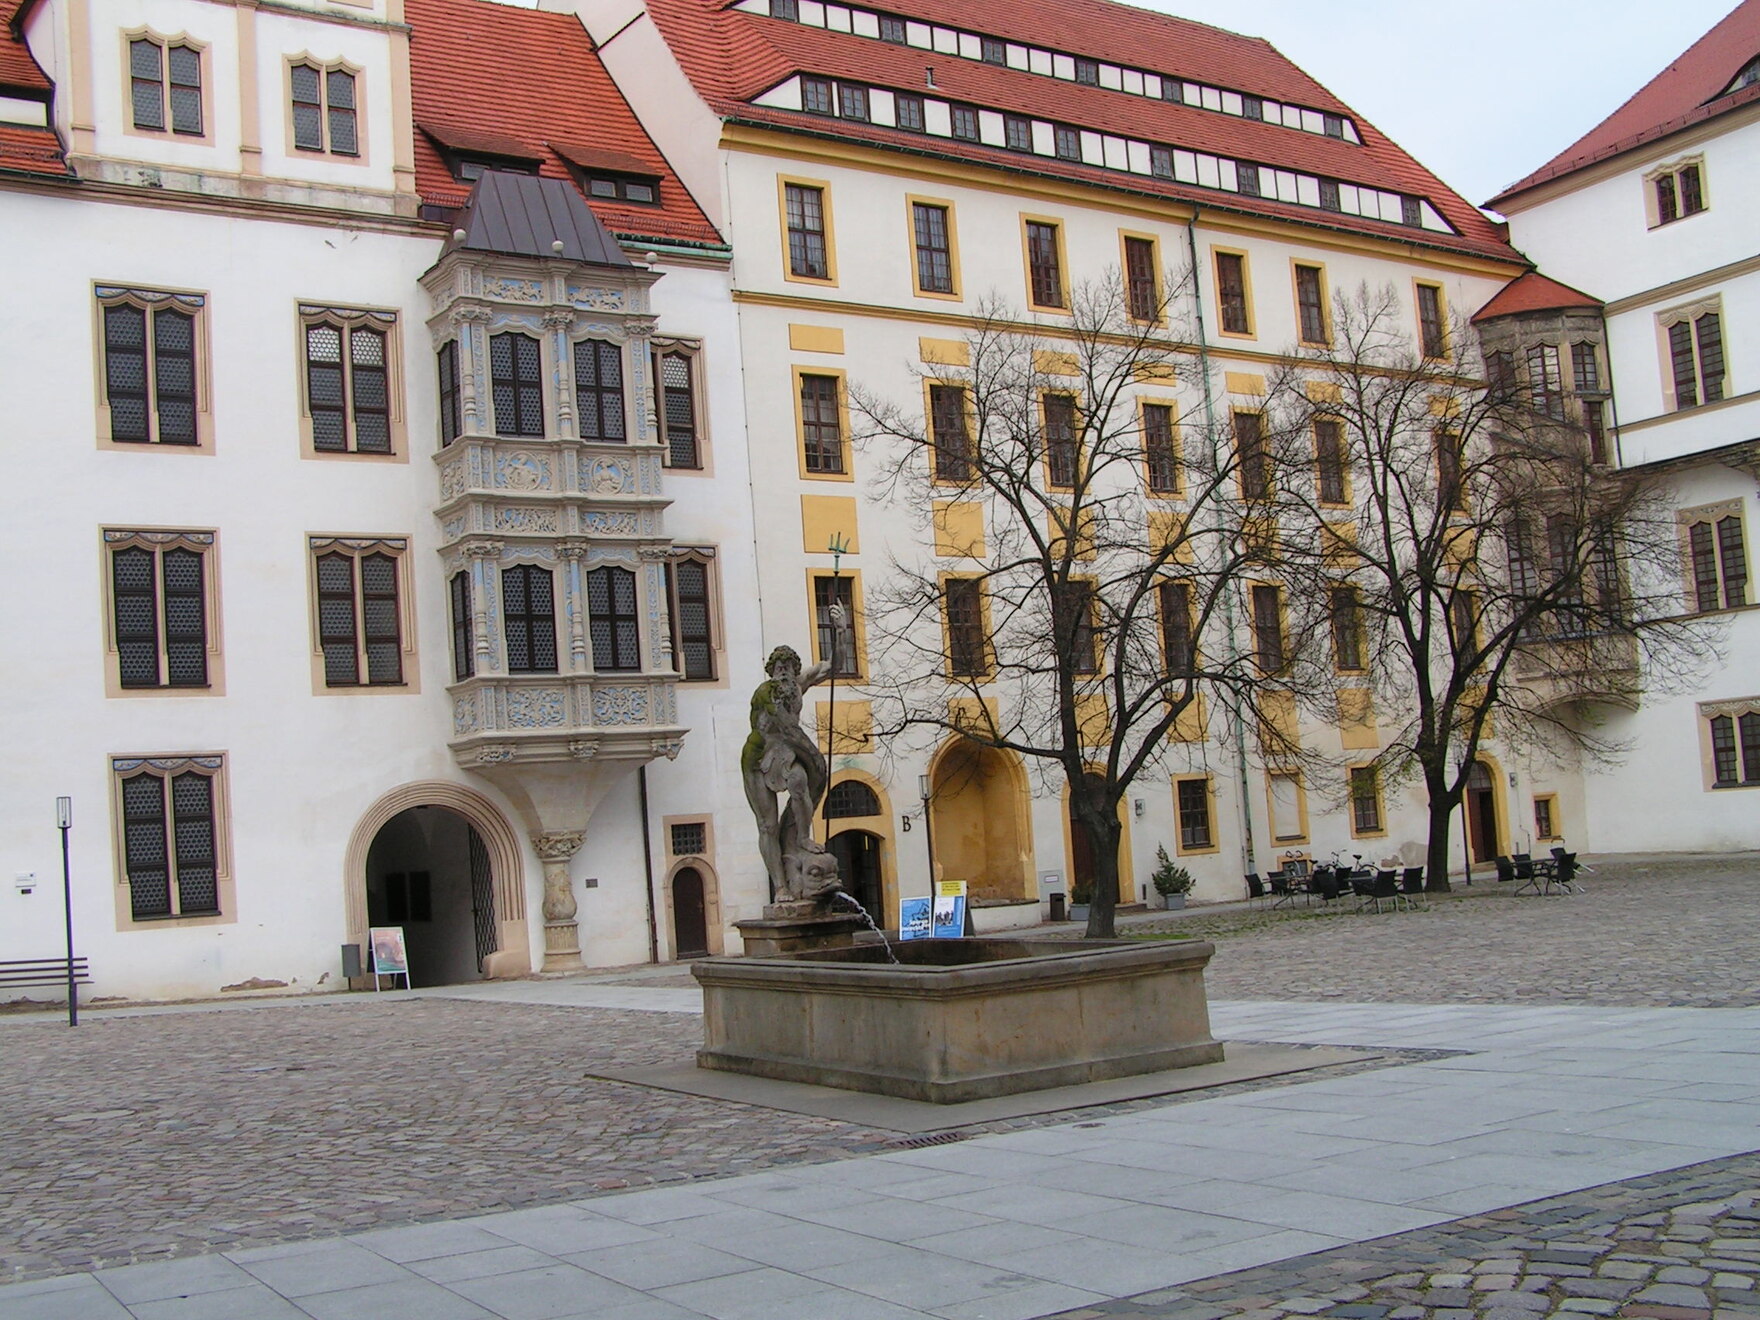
[(644, 190), (468, 167), (1749, 75)]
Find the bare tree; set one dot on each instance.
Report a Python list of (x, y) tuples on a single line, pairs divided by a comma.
[(1089, 623), (1484, 575)]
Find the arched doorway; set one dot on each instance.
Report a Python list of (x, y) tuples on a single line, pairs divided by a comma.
[(979, 797), (858, 856), (1481, 796), (428, 871), (858, 833), (690, 914)]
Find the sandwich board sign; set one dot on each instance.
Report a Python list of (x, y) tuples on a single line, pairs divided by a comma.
[(390, 955), (941, 915)]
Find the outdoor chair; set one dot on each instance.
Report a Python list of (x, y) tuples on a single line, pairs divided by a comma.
[(1525, 872), (1363, 884), (1255, 888), (1324, 883), (1280, 888), (1385, 889), (1566, 875), (1412, 882), (1506, 870)]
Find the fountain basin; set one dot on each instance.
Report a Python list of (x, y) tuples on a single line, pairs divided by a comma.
[(959, 1019)]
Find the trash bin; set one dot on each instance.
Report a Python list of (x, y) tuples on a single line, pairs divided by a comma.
[(1058, 913)]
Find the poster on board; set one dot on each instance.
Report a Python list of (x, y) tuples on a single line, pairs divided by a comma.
[(950, 909), (915, 918), (390, 956)]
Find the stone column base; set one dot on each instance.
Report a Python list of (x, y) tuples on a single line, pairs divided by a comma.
[(562, 947)]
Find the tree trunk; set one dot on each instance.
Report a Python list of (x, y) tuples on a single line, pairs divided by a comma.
[(1442, 806), (1103, 904)]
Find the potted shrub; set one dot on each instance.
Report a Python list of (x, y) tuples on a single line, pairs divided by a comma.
[(1172, 882), (1081, 895)]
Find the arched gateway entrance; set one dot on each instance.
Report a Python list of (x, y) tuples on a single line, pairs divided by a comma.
[(440, 861)]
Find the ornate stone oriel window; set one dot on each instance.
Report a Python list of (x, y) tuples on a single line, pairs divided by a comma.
[(352, 398), (516, 376), (528, 613), (170, 817), (165, 85), (325, 107), (163, 620), (153, 383), (362, 636)]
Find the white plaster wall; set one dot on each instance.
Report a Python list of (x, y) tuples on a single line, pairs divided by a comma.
[(1597, 237), (215, 29), (281, 37)]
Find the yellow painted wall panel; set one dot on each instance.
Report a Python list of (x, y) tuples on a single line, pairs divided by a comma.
[(815, 338), (825, 516)]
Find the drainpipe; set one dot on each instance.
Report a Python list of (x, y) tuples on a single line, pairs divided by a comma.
[(648, 866), (1237, 726)]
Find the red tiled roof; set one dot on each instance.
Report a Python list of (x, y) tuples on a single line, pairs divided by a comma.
[(32, 150), (19, 71), (1533, 292), (1684, 93), (732, 56), (485, 73)]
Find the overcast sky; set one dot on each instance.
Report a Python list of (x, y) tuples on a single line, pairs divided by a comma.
[(1483, 91)]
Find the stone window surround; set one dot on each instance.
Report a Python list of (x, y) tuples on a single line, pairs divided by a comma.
[(362, 154), (206, 543), (205, 87), (1735, 708), (1215, 845), (107, 294), (1672, 169), (707, 556), (1710, 515), (385, 320), (355, 545), (694, 352), (1351, 801), (218, 765), (1690, 313)]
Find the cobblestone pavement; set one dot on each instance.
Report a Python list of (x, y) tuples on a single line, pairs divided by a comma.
[(1680, 1245), (1641, 934), (134, 1138)]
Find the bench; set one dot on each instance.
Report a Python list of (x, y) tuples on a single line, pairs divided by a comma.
[(41, 971)]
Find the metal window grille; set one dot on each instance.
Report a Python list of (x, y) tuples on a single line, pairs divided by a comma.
[(1177, 647), (690, 840), (951, 434), (347, 392), (850, 798), (1431, 334), (829, 591), (336, 620), (611, 619), (1311, 303), (1061, 448), (1139, 279), (185, 92), (821, 425), (966, 651), (1231, 292), (174, 375), (446, 365), (1044, 264), (806, 231), (464, 654), (308, 108), (679, 409), (134, 601), (516, 381), (1329, 459), (1194, 814), (1268, 629), (692, 620), (934, 251), (380, 624), (528, 607), (359, 629), (598, 390), (340, 112), (186, 621), (169, 844), (125, 373)]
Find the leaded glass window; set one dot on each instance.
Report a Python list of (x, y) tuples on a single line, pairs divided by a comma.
[(464, 655), (150, 366), (598, 390), (170, 837), (676, 375), (165, 78), (528, 617), (348, 391), (359, 615), (516, 379), (324, 109), (692, 620)]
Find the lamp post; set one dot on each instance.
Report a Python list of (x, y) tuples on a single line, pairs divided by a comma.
[(924, 789), (64, 822), (837, 547)]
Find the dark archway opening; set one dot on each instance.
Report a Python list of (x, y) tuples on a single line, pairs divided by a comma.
[(428, 871), (858, 863), (690, 915), (1482, 812)]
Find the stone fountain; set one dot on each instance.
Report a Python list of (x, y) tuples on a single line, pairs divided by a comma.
[(941, 1020)]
